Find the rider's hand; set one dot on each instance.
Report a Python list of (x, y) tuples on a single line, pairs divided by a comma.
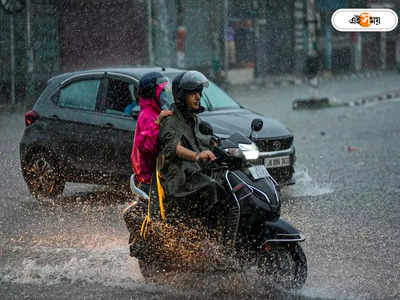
[(162, 115), (206, 156)]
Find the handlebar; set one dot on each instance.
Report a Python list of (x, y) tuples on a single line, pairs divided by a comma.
[(221, 157)]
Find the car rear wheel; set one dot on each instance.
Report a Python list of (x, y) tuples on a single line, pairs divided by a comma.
[(43, 177)]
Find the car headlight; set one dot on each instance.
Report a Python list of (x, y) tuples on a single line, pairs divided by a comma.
[(250, 151)]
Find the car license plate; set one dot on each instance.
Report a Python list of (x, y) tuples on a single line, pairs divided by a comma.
[(258, 172), (276, 162)]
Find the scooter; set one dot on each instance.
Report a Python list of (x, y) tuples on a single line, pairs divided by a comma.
[(254, 231)]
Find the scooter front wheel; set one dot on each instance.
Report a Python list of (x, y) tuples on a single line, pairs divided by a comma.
[(146, 269), (284, 265)]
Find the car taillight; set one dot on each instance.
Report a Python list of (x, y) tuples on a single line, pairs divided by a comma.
[(30, 117)]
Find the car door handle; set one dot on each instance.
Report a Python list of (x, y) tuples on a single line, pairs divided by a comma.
[(108, 125), (55, 117)]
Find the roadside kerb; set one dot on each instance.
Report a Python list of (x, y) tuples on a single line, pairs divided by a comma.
[(317, 103), (375, 98)]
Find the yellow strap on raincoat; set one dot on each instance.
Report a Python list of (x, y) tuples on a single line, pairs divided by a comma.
[(147, 219), (144, 229), (161, 197), (161, 194)]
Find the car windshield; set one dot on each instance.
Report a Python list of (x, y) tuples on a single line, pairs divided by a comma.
[(215, 98)]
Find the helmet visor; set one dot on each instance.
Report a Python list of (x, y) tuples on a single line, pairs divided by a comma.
[(193, 80)]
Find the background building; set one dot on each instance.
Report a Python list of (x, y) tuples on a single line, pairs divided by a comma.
[(262, 38)]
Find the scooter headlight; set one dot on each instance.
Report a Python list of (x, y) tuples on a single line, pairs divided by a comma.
[(235, 152), (250, 151)]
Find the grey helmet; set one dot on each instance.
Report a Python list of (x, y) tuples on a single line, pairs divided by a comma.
[(188, 82)]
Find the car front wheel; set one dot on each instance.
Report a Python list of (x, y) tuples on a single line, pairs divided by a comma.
[(43, 177)]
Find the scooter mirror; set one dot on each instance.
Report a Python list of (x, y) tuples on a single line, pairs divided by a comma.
[(257, 124), (206, 128)]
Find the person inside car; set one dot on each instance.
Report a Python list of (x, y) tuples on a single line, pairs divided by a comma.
[(130, 108), (182, 149), (153, 91)]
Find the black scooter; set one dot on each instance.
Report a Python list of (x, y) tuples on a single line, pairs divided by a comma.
[(254, 231)]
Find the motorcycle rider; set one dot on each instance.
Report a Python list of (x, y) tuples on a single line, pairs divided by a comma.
[(182, 149), (153, 93)]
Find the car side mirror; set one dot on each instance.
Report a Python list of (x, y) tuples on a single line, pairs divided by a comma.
[(206, 128), (256, 125)]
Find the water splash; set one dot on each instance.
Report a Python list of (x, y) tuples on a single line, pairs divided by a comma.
[(306, 186), (48, 266)]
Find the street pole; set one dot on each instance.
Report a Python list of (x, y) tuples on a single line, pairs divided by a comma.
[(226, 55), (313, 64), (12, 56), (256, 35), (357, 50), (382, 55), (397, 58), (29, 53), (383, 37), (328, 44), (150, 32), (29, 37), (311, 26)]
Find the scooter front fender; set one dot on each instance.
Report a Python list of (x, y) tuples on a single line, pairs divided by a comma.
[(281, 231)]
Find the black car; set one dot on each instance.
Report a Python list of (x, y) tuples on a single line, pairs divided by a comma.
[(80, 130)]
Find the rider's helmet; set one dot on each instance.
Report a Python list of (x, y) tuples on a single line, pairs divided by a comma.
[(155, 85), (188, 82)]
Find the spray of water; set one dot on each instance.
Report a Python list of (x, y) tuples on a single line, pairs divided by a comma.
[(184, 248), (50, 260), (191, 259), (306, 186)]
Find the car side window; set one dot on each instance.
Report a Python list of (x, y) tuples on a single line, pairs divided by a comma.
[(80, 95), (120, 97)]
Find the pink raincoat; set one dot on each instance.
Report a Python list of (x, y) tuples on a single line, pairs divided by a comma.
[(145, 143)]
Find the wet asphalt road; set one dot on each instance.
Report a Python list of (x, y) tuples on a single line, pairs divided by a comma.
[(346, 202)]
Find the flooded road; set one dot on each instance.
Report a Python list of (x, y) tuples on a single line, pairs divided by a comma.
[(345, 201)]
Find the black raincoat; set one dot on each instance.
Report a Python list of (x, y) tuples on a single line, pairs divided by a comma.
[(181, 178)]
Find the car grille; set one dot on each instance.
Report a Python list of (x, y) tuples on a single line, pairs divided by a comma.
[(267, 145)]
